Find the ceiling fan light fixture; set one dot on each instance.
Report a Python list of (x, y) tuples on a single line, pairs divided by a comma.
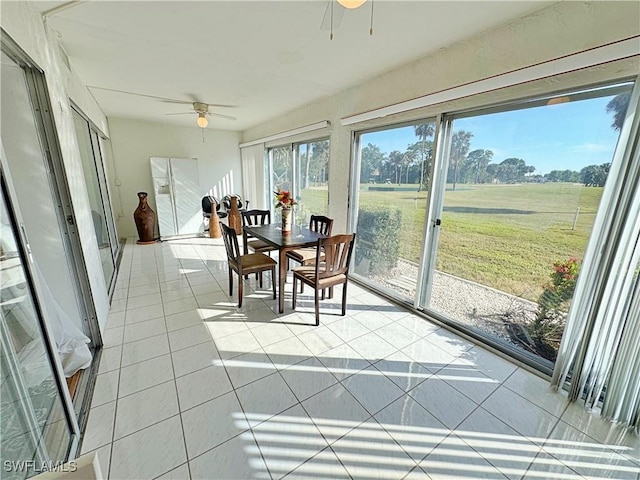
[(202, 120), (351, 4)]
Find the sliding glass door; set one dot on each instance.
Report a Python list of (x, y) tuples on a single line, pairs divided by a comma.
[(35, 426), (518, 196), (390, 190), (90, 145)]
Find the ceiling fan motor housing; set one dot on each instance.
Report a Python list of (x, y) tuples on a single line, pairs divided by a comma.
[(200, 107)]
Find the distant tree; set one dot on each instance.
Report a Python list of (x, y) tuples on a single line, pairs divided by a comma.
[(595, 175), (475, 165), (424, 131), (618, 106), (570, 176), (408, 160), (320, 160), (371, 158), (512, 170), (395, 161), (460, 143)]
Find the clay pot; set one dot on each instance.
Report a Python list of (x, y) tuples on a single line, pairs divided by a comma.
[(214, 222), (145, 219), (235, 219)]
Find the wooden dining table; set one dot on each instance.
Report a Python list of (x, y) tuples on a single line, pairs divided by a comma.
[(271, 234)]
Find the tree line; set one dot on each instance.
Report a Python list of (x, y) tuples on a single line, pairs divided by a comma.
[(413, 166)]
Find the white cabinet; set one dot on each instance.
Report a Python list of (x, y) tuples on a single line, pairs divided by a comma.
[(176, 187)]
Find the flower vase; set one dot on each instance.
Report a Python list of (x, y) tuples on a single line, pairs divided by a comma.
[(145, 219), (287, 219)]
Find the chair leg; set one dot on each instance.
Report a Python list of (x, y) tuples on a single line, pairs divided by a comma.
[(240, 287), (295, 292), (230, 282), (344, 299), (273, 281), (323, 290), (317, 305), (260, 280), (330, 292)]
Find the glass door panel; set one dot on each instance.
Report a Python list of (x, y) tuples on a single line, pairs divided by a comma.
[(523, 184), (33, 424), (311, 180), (95, 196), (394, 169)]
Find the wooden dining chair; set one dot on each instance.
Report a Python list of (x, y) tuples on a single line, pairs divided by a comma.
[(307, 255), (252, 218), (245, 264), (327, 273)]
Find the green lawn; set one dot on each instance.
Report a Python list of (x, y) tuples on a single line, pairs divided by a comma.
[(503, 236)]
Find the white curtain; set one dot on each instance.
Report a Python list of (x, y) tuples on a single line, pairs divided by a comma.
[(600, 352), (252, 165)]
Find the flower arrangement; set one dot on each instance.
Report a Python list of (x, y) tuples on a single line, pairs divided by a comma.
[(284, 199)]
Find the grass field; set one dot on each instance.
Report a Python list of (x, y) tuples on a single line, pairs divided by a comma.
[(503, 236)]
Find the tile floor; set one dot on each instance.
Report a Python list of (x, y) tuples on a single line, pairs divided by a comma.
[(192, 387)]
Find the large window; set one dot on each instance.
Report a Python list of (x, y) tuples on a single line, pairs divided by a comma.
[(302, 168), (510, 194)]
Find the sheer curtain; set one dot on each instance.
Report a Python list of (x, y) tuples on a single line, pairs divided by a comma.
[(252, 165), (600, 353)]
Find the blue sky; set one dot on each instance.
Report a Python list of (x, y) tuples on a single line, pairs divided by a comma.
[(566, 136)]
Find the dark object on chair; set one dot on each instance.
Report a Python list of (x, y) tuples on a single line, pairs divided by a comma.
[(334, 270), (252, 218), (245, 264), (226, 202), (207, 201), (307, 256)]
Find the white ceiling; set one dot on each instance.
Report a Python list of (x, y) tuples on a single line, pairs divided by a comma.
[(264, 57)]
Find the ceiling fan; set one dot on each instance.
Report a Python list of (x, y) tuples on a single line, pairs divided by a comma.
[(200, 108), (333, 16)]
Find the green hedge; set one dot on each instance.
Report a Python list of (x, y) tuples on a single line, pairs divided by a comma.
[(377, 243)]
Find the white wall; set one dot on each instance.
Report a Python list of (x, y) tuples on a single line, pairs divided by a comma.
[(560, 29), (25, 25), (134, 141)]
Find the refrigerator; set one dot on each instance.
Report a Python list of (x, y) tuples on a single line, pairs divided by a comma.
[(176, 185)]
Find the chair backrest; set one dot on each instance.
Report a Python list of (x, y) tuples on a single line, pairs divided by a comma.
[(251, 218), (231, 244), (321, 224), (337, 255)]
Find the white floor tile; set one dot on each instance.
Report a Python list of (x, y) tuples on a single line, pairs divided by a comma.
[(268, 334), (343, 361), (324, 465), (468, 380), (369, 452), (397, 335), (412, 427), (110, 359), (140, 330), (144, 408), (417, 325), (319, 340), (236, 459), (145, 349), (403, 370), (177, 321), (224, 413), (99, 429), (429, 355), (546, 466), (348, 328), (537, 390), (335, 412), (145, 374), (106, 389), (187, 337), (179, 306), (194, 358), (152, 299), (247, 368), (308, 378), (149, 452), (372, 347), (180, 473), (202, 386), (112, 337), (236, 344), (288, 440), (443, 401), (372, 389), (143, 290), (116, 319), (287, 352), (264, 398), (490, 364)]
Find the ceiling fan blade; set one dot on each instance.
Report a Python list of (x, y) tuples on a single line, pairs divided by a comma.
[(181, 113), (228, 117), (138, 94), (338, 12)]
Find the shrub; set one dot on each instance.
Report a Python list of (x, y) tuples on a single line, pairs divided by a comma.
[(554, 302), (377, 244)]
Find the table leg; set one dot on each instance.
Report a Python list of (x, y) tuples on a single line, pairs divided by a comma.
[(282, 275)]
